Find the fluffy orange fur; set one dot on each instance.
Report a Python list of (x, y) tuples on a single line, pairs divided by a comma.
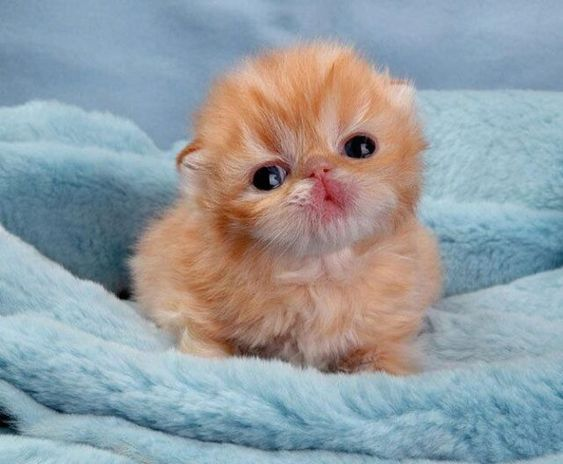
[(233, 270)]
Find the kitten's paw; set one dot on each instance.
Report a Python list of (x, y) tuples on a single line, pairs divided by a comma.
[(393, 361), (189, 344), (357, 360)]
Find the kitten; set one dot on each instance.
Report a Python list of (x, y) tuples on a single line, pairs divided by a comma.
[(295, 235)]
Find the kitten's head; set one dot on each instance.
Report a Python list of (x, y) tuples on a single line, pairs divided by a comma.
[(306, 150)]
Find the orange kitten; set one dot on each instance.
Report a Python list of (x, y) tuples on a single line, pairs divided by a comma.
[(295, 236)]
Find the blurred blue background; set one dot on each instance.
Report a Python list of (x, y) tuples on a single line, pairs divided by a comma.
[(152, 61)]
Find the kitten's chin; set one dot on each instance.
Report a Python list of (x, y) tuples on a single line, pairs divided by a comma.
[(321, 236), (327, 224)]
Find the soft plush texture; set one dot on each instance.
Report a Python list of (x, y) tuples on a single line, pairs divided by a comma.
[(75, 348), (83, 374)]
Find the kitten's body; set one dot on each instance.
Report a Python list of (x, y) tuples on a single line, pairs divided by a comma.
[(337, 281), (317, 310)]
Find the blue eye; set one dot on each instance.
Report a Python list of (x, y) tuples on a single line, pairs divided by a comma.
[(269, 177), (360, 146)]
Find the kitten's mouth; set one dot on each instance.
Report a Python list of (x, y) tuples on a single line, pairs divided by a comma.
[(329, 199)]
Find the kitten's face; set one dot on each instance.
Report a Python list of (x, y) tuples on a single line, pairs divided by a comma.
[(306, 151)]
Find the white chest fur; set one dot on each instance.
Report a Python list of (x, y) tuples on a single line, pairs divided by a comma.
[(320, 292)]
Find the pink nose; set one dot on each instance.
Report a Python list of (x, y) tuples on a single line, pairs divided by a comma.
[(319, 170)]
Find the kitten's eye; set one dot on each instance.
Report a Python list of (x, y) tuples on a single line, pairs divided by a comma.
[(360, 146), (269, 177)]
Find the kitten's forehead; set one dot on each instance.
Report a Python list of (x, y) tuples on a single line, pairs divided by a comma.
[(287, 103), (302, 103)]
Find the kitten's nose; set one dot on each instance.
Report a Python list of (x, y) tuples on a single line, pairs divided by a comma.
[(318, 169)]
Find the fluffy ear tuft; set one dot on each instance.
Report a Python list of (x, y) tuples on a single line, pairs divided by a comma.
[(189, 157), (402, 93)]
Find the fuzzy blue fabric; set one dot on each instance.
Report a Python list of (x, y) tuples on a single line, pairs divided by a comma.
[(82, 374)]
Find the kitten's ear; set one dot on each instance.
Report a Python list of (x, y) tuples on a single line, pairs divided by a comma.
[(189, 163), (190, 157), (402, 93)]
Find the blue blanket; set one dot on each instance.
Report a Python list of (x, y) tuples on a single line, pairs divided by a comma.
[(83, 375)]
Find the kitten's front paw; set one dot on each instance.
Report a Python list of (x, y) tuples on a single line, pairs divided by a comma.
[(203, 348), (393, 361), (357, 360)]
